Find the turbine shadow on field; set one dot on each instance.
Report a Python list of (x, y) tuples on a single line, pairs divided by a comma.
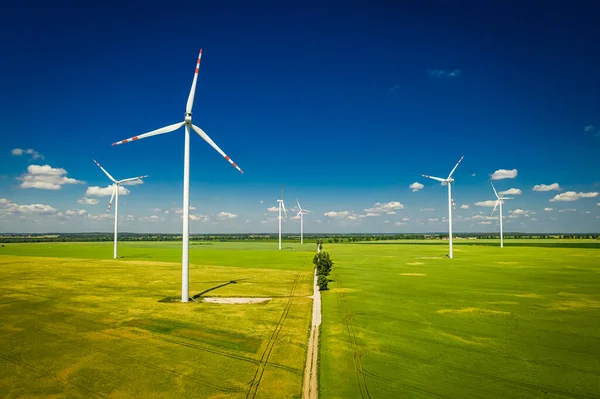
[(217, 287)]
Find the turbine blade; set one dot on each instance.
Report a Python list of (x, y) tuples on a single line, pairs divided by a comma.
[(299, 207), (497, 202), (105, 172), (434, 178), (213, 145), (283, 206), (456, 166), (115, 187), (162, 130), (190, 101), (132, 179), (497, 196)]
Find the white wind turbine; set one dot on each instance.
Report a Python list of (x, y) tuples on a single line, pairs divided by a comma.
[(448, 181), (499, 201), (301, 212), (281, 205), (115, 195), (187, 122)]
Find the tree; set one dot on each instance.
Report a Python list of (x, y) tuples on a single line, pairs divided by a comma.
[(322, 282), (323, 263)]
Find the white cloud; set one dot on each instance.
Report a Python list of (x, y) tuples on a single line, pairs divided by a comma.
[(511, 191), (405, 219), (201, 218), (490, 203), (156, 210), (34, 154), (547, 187), (391, 213), (337, 215), (87, 201), (32, 209), (573, 196), (474, 174), (273, 209), (598, 204), (484, 222), (261, 201), (227, 215), (427, 209), (353, 217), (442, 73), (105, 191), (45, 177), (75, 212), (587, 128), (400, 223), (416, 186), (150, 219), (464, 206), (520, 212), (370, 214), (504, 174), (101, 216), (567, 210), (433, 220), (548, 209), (482, 217), (380, 208)]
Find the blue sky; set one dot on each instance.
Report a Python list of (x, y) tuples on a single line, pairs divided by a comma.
[(345, 104)]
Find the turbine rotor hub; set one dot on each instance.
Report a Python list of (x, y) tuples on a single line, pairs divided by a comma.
[(188, 118)]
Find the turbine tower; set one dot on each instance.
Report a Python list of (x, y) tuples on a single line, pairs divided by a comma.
[(499, 201), (448, 181), (115, 196), (301, 212), (281, 205), (187, 122)]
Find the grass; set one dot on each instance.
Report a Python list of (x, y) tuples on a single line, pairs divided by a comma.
[(76, 325), (405, 321)]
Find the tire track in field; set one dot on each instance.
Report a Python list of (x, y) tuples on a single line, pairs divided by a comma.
[(141, 362), (27, 366), (254, 384), (505, 381), (356, 353)]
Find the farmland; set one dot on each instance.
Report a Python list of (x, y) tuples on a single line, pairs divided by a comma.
[(399, 320)]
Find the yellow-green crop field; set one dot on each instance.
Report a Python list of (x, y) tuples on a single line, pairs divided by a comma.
[(399, 320)]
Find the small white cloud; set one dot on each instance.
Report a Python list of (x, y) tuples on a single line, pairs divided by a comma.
[(433, 220), (511, 191), (201, 218), (427, 209), (33, 209), (547, 187), (261, 201), (100, 217), (353, 217), (107, 191), (504, 174), (150, 219), (490, 203), (75, 212), (474, 174), (442, 73), (227, 215), (337, 215), (45, 177), (573, 196), (87, 201), (484, 222), (464, 206), (273, 209), (548, 209), (156, 210), (370, 214), (400, 223), (588, 212), (391, 213), (567, 210), (381, 207), (34, 154), (587, 128), (405, 219), (416, 186)]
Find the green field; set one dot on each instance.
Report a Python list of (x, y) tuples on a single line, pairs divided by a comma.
[(399, 320), (405, 321), (75, 325)]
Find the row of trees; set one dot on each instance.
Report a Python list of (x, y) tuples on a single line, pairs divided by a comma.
[(323, 264)]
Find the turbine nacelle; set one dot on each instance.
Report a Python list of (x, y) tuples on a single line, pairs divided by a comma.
[(188, 118)]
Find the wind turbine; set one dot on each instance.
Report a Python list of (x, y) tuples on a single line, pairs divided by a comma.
[(115, 195), (281, 205), (448, 181), (187, 122), (301, 212), (499, 201)]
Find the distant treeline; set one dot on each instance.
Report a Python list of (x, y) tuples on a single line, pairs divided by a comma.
[(330, 238)]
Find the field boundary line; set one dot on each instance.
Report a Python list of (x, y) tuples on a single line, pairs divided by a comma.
[(255, 382)]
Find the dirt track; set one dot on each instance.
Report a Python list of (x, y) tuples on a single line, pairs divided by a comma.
[(310, 389)]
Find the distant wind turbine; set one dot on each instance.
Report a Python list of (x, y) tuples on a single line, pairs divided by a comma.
[(499, 202), (115, 195), (187, 122), (301, 212), (448, 181), (281, 205)]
